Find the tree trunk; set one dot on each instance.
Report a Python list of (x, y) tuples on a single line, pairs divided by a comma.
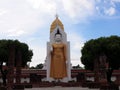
[(11, 60), (109, 75)]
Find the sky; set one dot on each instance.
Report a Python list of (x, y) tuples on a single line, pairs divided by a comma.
[(29, 21)]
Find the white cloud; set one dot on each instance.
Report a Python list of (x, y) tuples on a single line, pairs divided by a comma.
[(29, 15), (2, 12), (44, 6), (76, 43), (111, 11), (107, 8), (39, 50), (39, 54), (79, 9), (15, 33), (19, 17)]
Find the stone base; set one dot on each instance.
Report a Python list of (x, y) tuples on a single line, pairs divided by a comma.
[(18, 87), (107, 86), (54, 84), (21, 86), (3, 88), (61, 88), (103, 81), (70, 84), (28, 86), (91, 84)]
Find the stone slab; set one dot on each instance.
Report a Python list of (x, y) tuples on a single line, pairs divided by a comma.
[(62, 88)]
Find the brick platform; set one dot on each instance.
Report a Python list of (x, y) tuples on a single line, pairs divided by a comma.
[(62, 88)]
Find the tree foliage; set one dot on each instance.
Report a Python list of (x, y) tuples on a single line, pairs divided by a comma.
[(38, 66), (92, 49), (25, 51)]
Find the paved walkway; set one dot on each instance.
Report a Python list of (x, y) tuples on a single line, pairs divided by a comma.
[(61, 88)]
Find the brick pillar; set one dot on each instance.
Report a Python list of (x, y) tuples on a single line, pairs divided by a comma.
[(103, 67), (18, 67), (11, 66), (118, 80), (96, 70)]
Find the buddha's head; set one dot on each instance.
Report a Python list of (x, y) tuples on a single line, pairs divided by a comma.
[(58, 36)]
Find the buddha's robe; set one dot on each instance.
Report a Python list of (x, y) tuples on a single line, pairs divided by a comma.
[(58, 68)]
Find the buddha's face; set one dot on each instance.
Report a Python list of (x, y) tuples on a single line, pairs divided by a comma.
[(58, 38)]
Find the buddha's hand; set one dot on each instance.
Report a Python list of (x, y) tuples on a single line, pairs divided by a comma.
[(66, 62), (51, 50)]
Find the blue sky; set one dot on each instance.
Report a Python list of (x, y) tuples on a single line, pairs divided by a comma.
[(29, 21)]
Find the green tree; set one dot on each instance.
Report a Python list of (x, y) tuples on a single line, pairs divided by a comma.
[(93, 48), (26, 53)]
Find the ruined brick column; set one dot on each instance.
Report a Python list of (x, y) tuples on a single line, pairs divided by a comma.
[(96, 70), (11, 66), (103, 73), (18, 67)]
